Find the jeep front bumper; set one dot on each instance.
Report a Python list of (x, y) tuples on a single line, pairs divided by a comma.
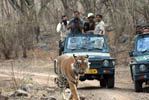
[(97, 73)]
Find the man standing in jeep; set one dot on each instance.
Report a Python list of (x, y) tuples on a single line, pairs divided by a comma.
[(62, 29), (100, 27), (76, 23), (90, 25)]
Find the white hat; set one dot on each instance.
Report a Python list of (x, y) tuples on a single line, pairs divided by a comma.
[(90, 15)]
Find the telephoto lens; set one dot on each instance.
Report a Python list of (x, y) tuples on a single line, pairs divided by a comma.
[(76, 20), (65, 22)]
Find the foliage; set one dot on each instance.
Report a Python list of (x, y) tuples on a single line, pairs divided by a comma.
[(22, 19)]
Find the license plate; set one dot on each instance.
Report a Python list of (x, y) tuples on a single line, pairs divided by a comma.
[(91, 71)]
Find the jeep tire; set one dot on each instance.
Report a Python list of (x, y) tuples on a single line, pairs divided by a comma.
[(110, 81), (103, 83), (138, 86)]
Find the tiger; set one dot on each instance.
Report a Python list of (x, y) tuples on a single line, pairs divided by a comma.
[(69, 69)]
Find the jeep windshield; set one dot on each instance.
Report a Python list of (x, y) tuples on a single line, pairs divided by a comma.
[(85, 43), (143, 45)]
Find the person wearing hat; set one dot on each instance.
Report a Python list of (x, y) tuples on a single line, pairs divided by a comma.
[(90, 25)]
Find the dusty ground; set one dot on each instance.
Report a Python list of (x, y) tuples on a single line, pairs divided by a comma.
[(39, 73)]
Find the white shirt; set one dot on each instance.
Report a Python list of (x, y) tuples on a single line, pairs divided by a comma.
[(100, 28), (62, 29)]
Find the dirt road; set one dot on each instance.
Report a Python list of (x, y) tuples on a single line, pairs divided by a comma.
[(89, 89)]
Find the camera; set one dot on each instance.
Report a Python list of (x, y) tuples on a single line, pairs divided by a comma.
[(76, 20), (65, 22)]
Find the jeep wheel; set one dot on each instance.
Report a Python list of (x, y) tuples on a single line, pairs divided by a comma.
[(82, 78), (103, 83), (138, 86), (110, 81)]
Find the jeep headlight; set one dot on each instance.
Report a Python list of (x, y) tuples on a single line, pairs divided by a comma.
[(142, 68), (106, 63)]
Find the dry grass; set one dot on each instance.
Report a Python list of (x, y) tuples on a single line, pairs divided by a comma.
[(35, 70)]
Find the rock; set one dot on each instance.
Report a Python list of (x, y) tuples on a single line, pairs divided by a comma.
[(44, 95), (26, 88), (19, 93), (50, 98), (82, 97), (50, 90), (43, 98), (3, 97)]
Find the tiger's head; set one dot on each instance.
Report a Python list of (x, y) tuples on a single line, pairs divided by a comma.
[(81, 64)]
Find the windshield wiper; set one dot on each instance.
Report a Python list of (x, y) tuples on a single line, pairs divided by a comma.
[(83, 48), (95, 49), (144, 51), (74, 49)]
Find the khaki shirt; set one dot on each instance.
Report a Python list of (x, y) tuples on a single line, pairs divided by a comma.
[(100, 28)]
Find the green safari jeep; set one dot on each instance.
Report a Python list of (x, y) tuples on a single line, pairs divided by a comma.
[(139, 64), (102, 66)]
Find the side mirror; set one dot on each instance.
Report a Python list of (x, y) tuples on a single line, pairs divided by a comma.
[(131, 54)]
